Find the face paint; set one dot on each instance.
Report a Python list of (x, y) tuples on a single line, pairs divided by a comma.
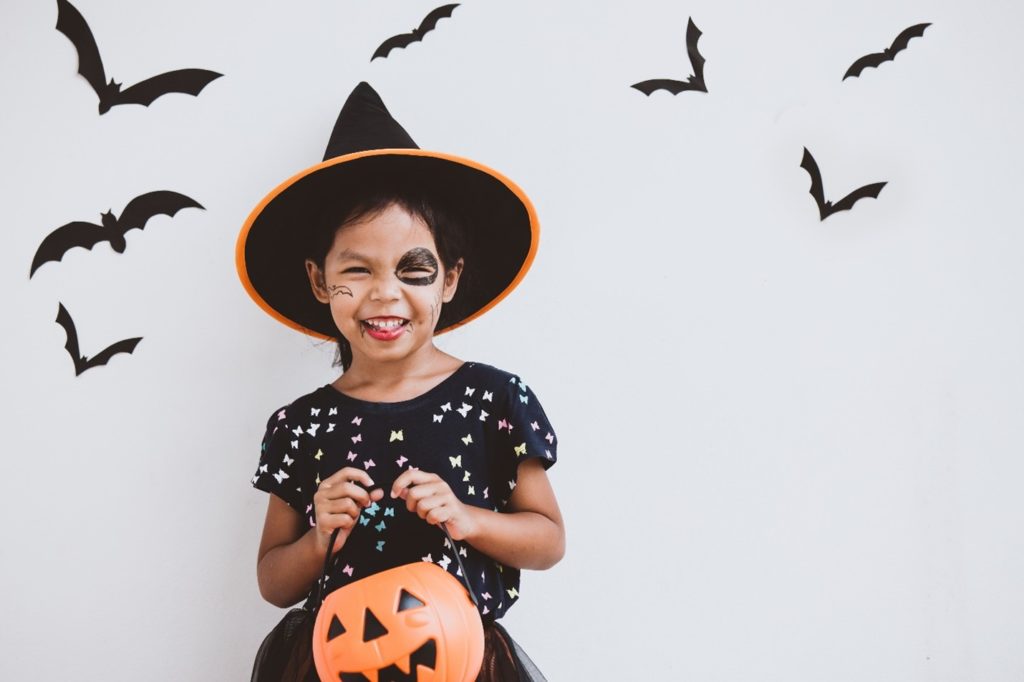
[(434, 308), (417, 267), (336, 289)]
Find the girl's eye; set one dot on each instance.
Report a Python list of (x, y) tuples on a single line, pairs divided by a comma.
[(416, 272), (355, 270)]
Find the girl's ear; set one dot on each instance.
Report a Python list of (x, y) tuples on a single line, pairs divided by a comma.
[(451, 281), (316, 281)]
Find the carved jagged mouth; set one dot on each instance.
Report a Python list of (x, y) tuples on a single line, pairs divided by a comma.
[(426, 655)]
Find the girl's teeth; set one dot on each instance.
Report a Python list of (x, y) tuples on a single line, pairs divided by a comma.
[(384, 324)]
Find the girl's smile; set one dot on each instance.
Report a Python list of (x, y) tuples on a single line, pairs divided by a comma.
[(386, 328)]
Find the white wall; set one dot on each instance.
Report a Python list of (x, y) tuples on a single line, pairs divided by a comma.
[(790, 450)]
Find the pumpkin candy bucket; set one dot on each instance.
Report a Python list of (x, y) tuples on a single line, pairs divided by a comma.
[(413, 623)]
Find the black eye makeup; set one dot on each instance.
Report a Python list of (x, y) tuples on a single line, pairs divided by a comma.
[(417, 267)]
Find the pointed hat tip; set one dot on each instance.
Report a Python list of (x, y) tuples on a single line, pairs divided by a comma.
[(364, 124)]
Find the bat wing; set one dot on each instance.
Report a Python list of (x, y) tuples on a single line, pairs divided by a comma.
[(394, 42), (65, 321), (693, 34), (817, 188), (429, 22), (143, 207), (867, 61), (651, 86), (403, 40), (72, 24), (65, 237), (903, 39), (103, 357), (875, 59), (187, 81), (867, 191)]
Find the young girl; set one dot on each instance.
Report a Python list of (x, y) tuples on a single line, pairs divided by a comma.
[(381, 247)]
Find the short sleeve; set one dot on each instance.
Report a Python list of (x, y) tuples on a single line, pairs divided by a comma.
[(280, 472), (529, 434)]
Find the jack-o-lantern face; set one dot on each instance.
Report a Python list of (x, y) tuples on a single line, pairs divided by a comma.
[(413, 623)]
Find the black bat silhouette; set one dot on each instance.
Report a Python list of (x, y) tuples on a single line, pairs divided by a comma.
[(826, 208), (188, 81), (694, 82), (83, 363), (874, 59), (425, 27), (135, 216)]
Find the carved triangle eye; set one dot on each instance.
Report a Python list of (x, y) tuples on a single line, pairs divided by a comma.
[(372, 628), (408, 601), (335, 629)]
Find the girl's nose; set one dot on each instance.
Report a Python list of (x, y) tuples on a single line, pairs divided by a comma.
[(385, 288)]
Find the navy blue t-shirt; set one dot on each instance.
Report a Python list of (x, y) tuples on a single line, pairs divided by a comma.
[(473, 430)]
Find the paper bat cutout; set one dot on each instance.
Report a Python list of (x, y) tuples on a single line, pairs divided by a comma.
[(83, 363), (405, 39), (694, 82), (135, 216), (826, 208), (72, 24), (875, 59)]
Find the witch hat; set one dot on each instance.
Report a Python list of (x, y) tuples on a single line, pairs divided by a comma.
[(367, 147)]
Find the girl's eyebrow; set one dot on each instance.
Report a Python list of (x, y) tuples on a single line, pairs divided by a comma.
[(348, 254)]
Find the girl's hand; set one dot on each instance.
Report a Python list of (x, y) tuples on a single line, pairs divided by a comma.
[(338, 501), (430, 498)]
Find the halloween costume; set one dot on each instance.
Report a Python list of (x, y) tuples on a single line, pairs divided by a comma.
[(473, 429)]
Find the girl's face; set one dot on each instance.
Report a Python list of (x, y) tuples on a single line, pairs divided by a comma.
[(385, 284)]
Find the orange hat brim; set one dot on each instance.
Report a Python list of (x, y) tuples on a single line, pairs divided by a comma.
[(274, 242)]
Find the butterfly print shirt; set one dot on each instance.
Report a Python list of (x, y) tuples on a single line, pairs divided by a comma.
[(473, 430)]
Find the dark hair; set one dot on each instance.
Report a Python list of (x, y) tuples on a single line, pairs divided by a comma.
[(374, 196)]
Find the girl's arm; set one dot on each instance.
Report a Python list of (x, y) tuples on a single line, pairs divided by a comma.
[(288, 560), (529, 534), (291, 555)]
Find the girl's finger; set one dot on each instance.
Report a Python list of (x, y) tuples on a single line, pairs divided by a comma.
[(417, 495), (342, 491), (410, 477), (424, 490), (348, 474), (344, 505), (326, 523), (353, 491), (426, 504), (438, 515)]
